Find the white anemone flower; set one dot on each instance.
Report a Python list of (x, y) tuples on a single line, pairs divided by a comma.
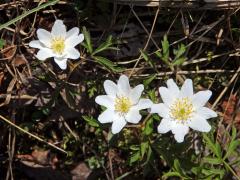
[(58, 43), (123, 103), (181, 109)]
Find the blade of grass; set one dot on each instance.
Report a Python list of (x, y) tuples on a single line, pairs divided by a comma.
[(28, 13), (32, 135)]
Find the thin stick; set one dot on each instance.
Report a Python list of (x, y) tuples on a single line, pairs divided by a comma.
[(32, 135)]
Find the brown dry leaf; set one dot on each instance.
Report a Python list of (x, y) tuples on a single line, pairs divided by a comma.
[(19, 60), (231, 111), (81, 172), (9, 52)]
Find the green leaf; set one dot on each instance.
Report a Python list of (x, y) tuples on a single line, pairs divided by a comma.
[(2, 43), (212, 160), (179, 52), (214, 148), (104, 46), (171, 174), (107, 63), (144, 146), (148, 127), (91, 121), (135, 157), (49, 3), (87, 37), (179, 61), (146, 58), (147, 81), (165, 47)]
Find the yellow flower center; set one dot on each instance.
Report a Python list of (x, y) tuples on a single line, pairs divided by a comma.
[(181, 109), (122, 104), (58, 45)]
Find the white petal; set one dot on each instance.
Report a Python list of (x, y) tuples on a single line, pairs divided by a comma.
[(44, 53), (72, 32), (172, 87), (107, 116), (161, 109), (105, 100), (179, 131), (59, 29), (136, 93), (187, 88), (201, 98), (118, 124), (164, 126), (110, 88), (206, 112), (133, 116), (61, 62), (36, 44), (166, 96), (123, 85), (72, 53), (144, 104), (44, 36), (199, 123), (72, 41)]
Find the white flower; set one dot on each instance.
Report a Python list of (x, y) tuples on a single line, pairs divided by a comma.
[(182, 109), (58, 43), (123, 103)]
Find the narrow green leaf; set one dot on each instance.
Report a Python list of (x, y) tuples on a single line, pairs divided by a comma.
[(107, 63), (2, 43), (135, 157), (147, 81), (211, 160), (144, 146), (104, 46), (87, 37), (91, 121), (50, 3)]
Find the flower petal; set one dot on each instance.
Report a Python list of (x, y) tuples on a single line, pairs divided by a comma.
[(172, 87), (166, 96), (44, 53), (199, 123), (136, 93), (201, 98), (187, 88), (164, 126), (44, 36), (61, 62), (206, 112), (179, 131), (72, 53), (133, 116), (144, 104), (107, 116), (123, 86), (72, 32), (110, 88), (161, 109), (118, 123), (59, 29), (72, 41), (105, 100), (36, 44)]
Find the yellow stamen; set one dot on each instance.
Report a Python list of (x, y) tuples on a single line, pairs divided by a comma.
[(181, 109), (122, 104), (58, 45)]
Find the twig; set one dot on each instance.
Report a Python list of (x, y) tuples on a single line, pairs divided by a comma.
[(32, 135)]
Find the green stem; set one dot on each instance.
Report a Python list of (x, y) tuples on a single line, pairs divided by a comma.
[(230, 169)]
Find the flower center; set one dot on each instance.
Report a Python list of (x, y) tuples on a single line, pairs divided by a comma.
[(181, 109), (122, 104), (58, 45)]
